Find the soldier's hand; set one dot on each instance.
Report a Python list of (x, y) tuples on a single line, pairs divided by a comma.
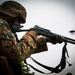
[(55, 39), (59, 39)]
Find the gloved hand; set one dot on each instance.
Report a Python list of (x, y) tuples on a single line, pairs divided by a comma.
[(55, 39)]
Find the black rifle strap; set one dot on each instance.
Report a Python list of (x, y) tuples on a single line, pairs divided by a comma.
[(61, 66)]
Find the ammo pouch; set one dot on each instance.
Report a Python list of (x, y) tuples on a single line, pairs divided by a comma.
[(5, 67)]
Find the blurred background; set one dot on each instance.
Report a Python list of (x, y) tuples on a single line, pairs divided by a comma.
[(59, 17)]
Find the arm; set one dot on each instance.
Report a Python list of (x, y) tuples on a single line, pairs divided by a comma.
[(40, 41), (15, 51)]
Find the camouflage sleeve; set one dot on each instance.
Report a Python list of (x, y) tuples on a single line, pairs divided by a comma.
[(41, 45), (15, 51)]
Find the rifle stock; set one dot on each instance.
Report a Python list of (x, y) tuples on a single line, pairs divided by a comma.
[(47, 33)]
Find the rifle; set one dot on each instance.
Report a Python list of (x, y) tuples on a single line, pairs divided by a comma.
[(48, 33), (45, 32)]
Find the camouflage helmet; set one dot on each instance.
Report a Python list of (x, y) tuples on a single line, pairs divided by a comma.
[(13, 9)]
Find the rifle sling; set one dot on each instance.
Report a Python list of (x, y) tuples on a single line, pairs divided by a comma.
[(60, 67)]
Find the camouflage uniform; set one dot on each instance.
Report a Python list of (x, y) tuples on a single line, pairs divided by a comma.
[(12, 52), (15, 51)]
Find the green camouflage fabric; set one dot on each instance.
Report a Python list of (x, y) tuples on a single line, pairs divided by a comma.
[(18, 51)]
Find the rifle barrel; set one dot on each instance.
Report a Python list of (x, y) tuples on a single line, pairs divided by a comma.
[(69, 40)]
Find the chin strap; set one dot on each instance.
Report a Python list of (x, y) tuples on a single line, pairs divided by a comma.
[(60, 67)]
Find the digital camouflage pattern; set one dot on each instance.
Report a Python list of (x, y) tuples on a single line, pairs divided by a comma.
[(18, 51)]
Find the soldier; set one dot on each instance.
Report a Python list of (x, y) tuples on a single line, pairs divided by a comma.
[(12, 50)]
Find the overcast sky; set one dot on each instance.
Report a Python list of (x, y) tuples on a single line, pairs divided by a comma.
[(59, 17)]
